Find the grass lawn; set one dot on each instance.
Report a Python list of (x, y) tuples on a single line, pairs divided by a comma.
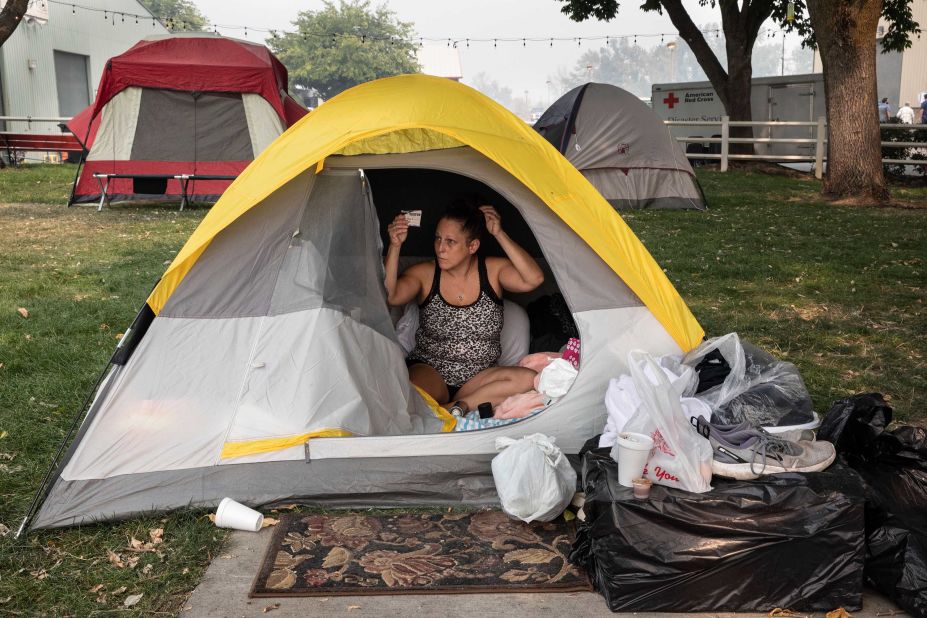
[(839, 291)]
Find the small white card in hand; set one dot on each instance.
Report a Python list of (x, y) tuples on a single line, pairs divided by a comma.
[(414, 217)]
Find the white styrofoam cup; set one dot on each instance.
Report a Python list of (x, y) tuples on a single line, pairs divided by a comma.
[(631, 451), (231, 514)]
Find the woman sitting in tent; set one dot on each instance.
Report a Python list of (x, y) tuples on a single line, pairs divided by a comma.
[(460, 306)]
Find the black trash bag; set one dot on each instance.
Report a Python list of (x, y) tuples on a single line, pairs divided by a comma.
[(788, 540), (893, 464)]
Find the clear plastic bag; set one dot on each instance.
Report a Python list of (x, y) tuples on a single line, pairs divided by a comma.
[(680, 458), (759, 389), (533, 478)]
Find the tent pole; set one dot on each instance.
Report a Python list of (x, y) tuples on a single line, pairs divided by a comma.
[(698, 186), (80, 165), (45, 486)]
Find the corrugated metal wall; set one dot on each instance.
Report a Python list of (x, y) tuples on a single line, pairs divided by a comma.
[(33, 91), (914, 65)]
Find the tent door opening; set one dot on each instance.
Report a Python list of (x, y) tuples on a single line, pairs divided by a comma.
[(430, 190)]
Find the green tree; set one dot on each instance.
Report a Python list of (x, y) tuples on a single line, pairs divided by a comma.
[(740, 22), (176, 15), (341, 46), (844, 30)]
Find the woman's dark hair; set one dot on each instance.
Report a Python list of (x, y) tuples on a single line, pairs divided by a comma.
[(465, 210)]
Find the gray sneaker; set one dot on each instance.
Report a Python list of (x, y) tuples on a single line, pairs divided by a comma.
[(794, 435), (744, 453)]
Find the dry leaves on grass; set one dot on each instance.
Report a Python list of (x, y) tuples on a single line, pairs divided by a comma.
[(157, 538), (132, 599), (120, 560)]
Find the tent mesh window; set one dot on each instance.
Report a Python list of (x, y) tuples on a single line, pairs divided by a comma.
[(191, 126)]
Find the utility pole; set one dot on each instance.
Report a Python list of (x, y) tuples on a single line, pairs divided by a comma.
[(672, 47), (782, 67)]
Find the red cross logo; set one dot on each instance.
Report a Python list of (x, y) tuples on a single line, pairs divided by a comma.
[(671, 100)]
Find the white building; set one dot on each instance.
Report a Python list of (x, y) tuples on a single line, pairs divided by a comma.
[(52, 63), (440, 61)]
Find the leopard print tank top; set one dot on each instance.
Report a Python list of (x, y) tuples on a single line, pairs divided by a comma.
[(459, 341)]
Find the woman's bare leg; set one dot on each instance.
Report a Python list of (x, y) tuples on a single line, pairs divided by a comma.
[(426, 378), (495, 385)]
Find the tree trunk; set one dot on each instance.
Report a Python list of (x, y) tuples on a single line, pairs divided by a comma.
[(846, 37), (10, 17), (740, 31), (738, 89)]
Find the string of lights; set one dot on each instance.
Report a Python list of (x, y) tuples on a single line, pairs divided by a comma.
[(172, 24)]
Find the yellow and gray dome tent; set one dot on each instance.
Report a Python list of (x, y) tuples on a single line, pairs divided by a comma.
[(622, 147), (264, 365)]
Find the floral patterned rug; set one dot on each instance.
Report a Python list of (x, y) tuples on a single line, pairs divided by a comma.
[(356, 553)]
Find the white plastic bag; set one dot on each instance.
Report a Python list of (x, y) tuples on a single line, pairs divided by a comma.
[(556, 379), (621, 400), (680, 457), (533, 478), (734, 384), (759, 389)]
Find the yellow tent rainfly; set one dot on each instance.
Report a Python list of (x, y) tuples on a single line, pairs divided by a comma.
[(266, 366)]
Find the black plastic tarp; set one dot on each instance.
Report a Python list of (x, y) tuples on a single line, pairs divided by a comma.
[(789, 540)]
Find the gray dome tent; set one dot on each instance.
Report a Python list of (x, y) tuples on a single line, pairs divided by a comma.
[(622, 148)]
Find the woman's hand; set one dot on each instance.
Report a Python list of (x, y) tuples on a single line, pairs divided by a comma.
[(398, 230), (493, 220)]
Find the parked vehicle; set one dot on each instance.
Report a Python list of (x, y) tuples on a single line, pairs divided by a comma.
[(785, 98)]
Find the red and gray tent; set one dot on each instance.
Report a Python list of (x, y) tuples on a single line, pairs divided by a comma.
[(622, 147), (195, 105)]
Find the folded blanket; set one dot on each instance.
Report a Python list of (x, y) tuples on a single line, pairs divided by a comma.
[(520, 405), (472, 421)]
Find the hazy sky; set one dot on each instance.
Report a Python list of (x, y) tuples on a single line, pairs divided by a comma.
[(519, 68)]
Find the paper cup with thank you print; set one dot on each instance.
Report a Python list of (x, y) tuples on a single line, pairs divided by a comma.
[(631, 451), (231, 514)]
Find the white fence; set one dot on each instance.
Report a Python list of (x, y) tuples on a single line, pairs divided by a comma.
[(819, 140), (30, 119), (725, 140)]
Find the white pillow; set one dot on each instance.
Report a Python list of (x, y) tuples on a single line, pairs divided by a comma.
[(516, 331)]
